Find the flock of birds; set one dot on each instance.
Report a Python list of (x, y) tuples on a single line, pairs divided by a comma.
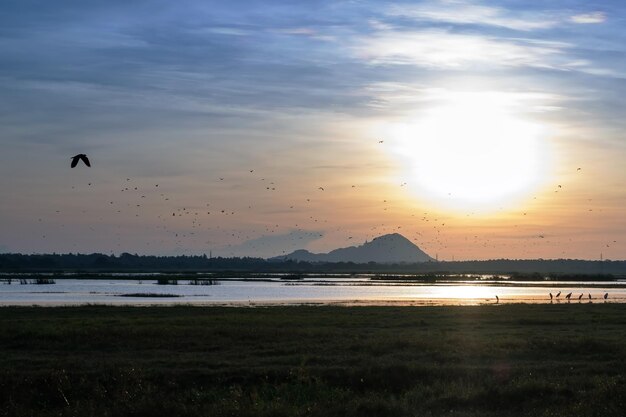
[(298, 232), (139, 198), (567, 297), (432, 232)]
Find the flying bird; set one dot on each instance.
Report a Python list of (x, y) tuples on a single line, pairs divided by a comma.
[(80, 157)]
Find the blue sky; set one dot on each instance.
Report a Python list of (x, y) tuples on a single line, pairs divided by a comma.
[(182, 94)]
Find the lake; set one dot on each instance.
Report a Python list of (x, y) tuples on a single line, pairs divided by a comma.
[(343, 290)]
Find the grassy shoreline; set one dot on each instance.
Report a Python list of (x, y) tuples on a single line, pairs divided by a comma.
[(517, 360)]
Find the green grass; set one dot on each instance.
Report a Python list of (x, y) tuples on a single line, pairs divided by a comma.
[(509, 360)]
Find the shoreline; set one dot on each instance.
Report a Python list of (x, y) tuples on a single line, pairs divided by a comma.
[(451, 302)]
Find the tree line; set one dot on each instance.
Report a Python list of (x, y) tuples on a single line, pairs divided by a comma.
[(126, 262)]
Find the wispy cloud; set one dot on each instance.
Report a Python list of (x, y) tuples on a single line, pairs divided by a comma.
[(463, 12), (413, 95), (441, 49), (452, 50), (589, 18), (303, 31)]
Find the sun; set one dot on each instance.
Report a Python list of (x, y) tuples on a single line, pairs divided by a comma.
[(471, 152)]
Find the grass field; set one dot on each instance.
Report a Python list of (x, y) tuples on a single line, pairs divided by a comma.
[(507, 360)]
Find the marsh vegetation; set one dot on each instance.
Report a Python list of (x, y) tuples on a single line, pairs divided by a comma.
[(515, 360)]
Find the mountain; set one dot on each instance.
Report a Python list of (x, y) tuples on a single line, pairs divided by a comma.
[(392, 248)]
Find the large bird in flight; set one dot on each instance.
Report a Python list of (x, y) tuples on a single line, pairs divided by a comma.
[(80, 157)]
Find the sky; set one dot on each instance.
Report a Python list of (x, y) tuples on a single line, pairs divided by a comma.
[(477, 129)]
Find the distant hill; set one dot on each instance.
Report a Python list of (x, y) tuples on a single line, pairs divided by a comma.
[(386, 249)]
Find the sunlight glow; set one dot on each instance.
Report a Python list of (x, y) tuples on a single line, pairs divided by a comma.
[(471, 152)]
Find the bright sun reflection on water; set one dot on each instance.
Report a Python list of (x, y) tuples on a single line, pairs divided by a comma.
[(463, 291)]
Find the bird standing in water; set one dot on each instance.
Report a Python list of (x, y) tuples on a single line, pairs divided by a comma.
[(80, 157)]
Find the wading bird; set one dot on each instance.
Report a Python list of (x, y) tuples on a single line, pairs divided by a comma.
[(558, 294), (580, 297), (606, 295), (568, 296), (79, 157), (497, 299), (551, 296)]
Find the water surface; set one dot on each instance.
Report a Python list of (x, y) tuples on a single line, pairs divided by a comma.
[(347, 291)]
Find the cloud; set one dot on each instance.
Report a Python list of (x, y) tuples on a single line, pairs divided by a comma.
[(415, 96), (462, 12), (441, 49), (588, 18), (303, 31)]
